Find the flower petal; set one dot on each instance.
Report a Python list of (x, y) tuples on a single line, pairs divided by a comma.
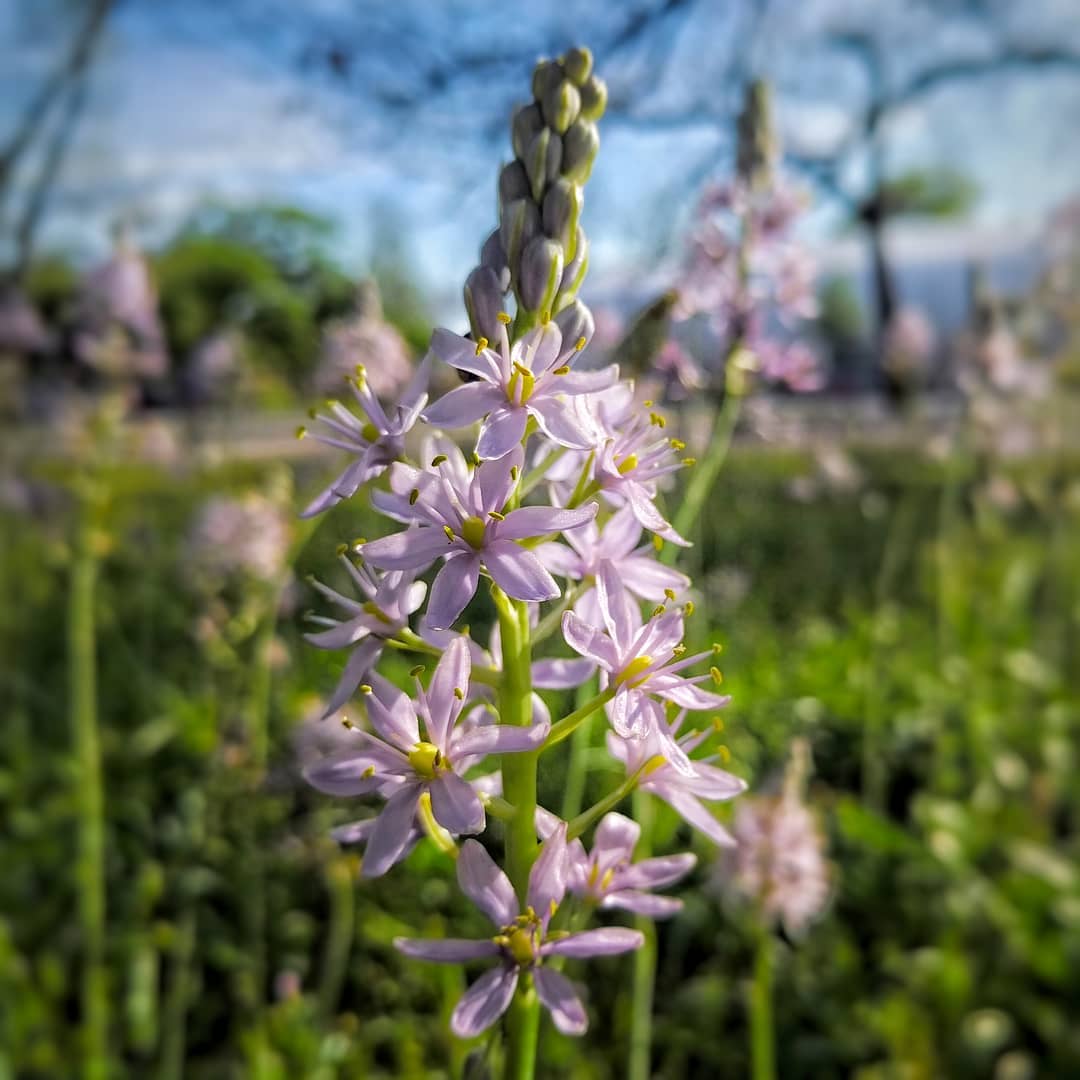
[(348, 773), (454, 586), (606, 941), (455, 805), (500, 739), (518, 572), (502, 432), (616, 837), (461, 353), (560, 999), (494, 481), (547, 879), (589, 641), (657, 872), (447, 691), (561, 674), (407, 550), (390, 834), (446, 950), (642, 903), (484, 1002), (557, 421), (538, 520), (486, 885), (360, 661), (463, 405)]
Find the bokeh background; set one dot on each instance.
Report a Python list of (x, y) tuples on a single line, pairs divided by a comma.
[(210, 212)]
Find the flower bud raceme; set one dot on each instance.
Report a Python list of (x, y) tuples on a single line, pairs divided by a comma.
[(543, 521)]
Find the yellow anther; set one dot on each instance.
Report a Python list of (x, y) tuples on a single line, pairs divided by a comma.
[(717, 724), (313, 413), (717, 648), (413, 496), (341, 549), (301, 431), (606, 880), (658, 542), (474, 460), (658, 610), (725, 753), (496, 515), (417, 671), (678, 445), (628, 464), (633, 670), (717, 675), (689, 608), (364, 688), (648, 404), (449, 533), (346, 723), (545, 316), (688, 461), (564, 370), (679, 650), (472, 532), (368, 773), (504, 318), (659, 421), (481, 345), (425, 758), (360, 371), (514, 471), (370, 432), (437, 460), (521, 369), (594, 873), (553, 907), (580, 344), (459, 693), (670, 594)]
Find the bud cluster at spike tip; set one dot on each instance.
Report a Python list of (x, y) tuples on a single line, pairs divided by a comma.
[(550, 507), (539, 253)]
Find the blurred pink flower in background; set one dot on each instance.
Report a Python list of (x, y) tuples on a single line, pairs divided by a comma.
[(908, 346), (247, 535)]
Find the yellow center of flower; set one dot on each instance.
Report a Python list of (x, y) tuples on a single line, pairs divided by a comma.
[(628, 464), (520, 946), (426, 758), (370, 432), (472, 532), (524, 379), (372, 609), (633, 670)]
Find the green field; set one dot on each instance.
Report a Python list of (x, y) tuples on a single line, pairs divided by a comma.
[(919, 627)]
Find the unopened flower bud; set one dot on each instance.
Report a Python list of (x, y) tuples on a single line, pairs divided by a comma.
[(575, 270), (546, 77), (577, 64), (561, 209), (561, 105), (513, 183), (580, 145), (593, 98), (535, 162), (541, 272), (483, 302), (494, 258), (528, 120), (576, 322), (554, 156), (520, 223)]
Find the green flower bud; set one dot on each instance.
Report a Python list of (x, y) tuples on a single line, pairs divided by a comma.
[(541, 272), (580, 145), (535, 162), (561, 210), (593, 98), (561, 106), (483, 302), (575, 270), (546, 77), (577, 64), (520, 223), (554, 156), (576, 322), (528, 120), (494, 258), (513, 183)]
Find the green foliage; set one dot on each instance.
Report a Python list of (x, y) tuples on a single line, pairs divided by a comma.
[(936, 649), (840, 314), (928, 193)]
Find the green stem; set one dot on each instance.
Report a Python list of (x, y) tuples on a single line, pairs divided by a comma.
[(174, 1031), (706, 470), (90, 859), (570, 723), (609, 802), (580, 742), (762, 1036), (339, 882), (644, 980), (519, 788)]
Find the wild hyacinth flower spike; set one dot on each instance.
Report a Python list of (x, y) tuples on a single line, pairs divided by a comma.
[(523, 942), (536, 518), (399, 762)]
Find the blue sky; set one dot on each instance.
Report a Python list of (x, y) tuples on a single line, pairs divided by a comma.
[(193, 100)]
